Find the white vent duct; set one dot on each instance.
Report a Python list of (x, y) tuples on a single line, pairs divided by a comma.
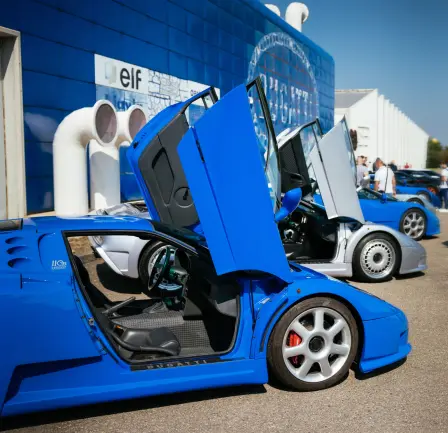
[(105, 161), (69, 154), (274, 9), (296, 15)]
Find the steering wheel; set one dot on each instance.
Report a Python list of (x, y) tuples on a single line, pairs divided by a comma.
[(157, 273)]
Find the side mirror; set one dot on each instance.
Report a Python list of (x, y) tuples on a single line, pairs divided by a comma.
[(290, 201), (383, 197)]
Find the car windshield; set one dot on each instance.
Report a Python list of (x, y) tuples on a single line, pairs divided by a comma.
[(309, 137), (369, 194), (349, 148), (266, 141)]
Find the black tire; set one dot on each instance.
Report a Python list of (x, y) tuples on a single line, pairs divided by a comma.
[(360, 254), (276, 361), (415, 200), (425, 195), (421, 214), (146, 254)]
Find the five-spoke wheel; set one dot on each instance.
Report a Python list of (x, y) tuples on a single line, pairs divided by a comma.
[(314, 344)]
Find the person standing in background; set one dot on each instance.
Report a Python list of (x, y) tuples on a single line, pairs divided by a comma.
[(406, 165), (444, 188), (384, 178), (393, 166), (362, 173)]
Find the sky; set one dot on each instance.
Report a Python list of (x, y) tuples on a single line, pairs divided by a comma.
[(397, 46)]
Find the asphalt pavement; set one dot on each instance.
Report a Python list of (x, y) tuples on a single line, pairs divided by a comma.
[(410, 398)]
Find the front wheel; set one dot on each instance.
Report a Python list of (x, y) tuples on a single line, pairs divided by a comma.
[(147, 260), (413, 224), (415, 200), (376, 258), (313, 345), (424, 195)]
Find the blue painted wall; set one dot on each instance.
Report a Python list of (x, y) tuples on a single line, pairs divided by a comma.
[(207, 41)]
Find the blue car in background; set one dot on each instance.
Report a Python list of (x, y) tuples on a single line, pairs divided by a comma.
[(230, 306), (407, 188), (412, 219)]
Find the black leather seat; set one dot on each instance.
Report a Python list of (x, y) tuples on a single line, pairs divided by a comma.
[(159, 338)]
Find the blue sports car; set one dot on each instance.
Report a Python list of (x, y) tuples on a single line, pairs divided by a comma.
[(410, 218), (230, 307)]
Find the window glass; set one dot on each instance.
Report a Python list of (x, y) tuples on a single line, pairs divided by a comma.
[(267, 147)]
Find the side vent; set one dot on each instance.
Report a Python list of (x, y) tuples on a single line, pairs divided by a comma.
[(16, 240), (21, 263), (16, 250)]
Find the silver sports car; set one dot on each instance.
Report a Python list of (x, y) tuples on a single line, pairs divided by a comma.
[(333, 238)]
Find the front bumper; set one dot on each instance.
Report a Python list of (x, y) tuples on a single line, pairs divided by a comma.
[(385, 342), (413, 259), (433, 226)]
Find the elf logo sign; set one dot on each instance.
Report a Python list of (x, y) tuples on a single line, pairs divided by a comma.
[(120, 75)]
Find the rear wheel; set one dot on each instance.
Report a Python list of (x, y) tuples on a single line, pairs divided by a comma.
[(313, 345), (376, 258), (413, 224)]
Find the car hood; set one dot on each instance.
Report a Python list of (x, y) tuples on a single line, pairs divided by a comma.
[(210, 175)]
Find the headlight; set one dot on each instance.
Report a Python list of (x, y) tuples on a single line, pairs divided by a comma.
[(98, 240)]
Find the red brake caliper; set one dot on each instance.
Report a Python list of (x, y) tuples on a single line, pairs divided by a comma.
[(294, 340)]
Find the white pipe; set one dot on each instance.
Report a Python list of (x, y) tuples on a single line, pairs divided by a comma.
[(296, 14), (105, 161), (69, 154), (274, 9)]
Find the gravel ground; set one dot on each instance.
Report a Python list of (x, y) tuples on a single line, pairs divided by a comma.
[(410, 398)]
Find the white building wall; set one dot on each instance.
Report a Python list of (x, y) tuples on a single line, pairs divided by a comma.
[(385, 131), (380, 122)]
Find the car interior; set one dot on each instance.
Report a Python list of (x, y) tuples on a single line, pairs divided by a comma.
[(185, 310), (307, 234)]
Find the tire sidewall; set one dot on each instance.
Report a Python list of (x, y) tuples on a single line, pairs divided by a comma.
[(414, 209), (357, 268), (274, 351), (143, 261)]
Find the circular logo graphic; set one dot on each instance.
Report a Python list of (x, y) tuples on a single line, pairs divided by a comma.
[(288, 80)]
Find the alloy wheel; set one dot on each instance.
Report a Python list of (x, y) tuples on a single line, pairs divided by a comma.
[(378, 258), (414, 225), (316, 344)]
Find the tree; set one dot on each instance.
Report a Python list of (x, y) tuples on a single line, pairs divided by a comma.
[(436, 153), (354, 138)]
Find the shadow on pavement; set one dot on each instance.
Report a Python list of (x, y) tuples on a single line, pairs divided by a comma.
[(445, 243), (275, 383), (123, 406), (375, 373), (409, 276)]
